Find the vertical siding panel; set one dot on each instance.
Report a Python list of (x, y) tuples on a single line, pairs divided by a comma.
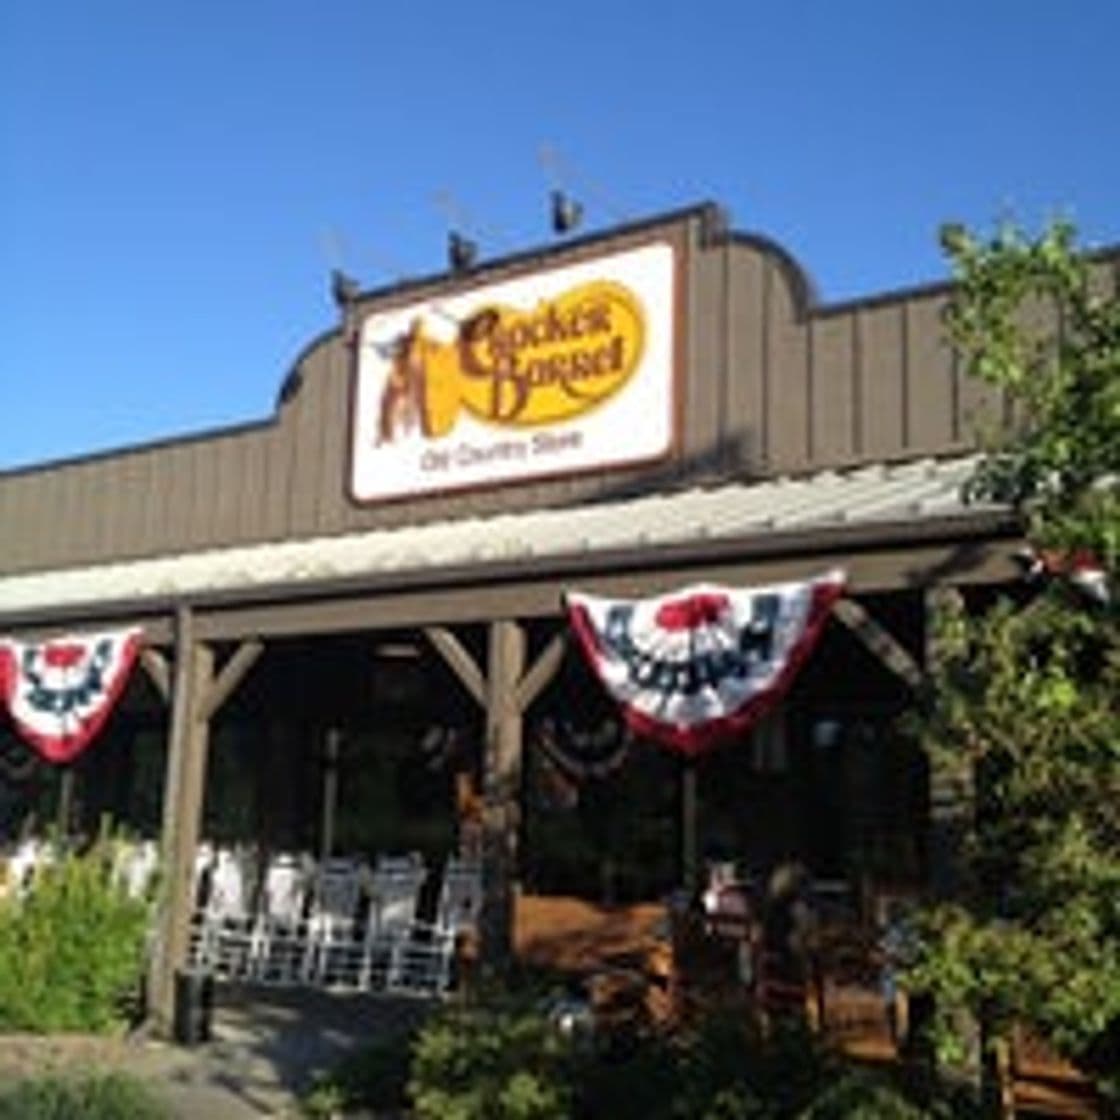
[(15, 523), (115, 500), (21, 533), (251, 486), (7, 523), (160, 467), (66, 543), (787, 387), (125, 508), (353, 517), (832, 395), (84, 531), (148, 501), (881, 350), (745, 422), (278, 457), (231, 478), (65, 519), (159, 499), (705, 372), (931, 382), (181, 491), (307, 437), (334, 456), (95, 531), (200, 511), (57, 521)]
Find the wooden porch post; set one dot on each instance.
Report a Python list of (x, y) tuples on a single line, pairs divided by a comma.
[(197, 695), (502, 791), (505, 694), (182, 808)]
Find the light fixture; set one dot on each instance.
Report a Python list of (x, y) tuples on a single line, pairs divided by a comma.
[(396, 650), (566, 213), (461, 252)]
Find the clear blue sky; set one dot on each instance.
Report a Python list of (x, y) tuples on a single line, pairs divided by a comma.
[(178, 178)]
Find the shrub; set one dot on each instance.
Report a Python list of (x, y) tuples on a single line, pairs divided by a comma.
[(506, 1060), (112, 1096), (492, 1063), (72, 950)]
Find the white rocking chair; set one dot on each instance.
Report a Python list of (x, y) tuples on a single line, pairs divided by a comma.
[(227, 920), (332, 956), (279, 944), (395, 888)]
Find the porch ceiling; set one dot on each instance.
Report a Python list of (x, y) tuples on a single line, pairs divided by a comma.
[(823, 512)]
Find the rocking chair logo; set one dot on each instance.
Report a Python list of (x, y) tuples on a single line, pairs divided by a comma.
[(561, 371)]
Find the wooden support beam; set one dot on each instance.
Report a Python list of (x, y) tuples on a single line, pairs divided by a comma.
[(159, 671), (182, 811), (232, 673), (501, 815), (459, 661), (160, 994), (505, 691), (879, 641), (544, 669)]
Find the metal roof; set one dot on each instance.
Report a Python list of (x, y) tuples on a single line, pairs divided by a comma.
[(867, 496)]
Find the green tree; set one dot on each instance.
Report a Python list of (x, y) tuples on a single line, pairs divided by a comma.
[(1024, 700)]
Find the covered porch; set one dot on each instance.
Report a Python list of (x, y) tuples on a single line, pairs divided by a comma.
[(298, 683)]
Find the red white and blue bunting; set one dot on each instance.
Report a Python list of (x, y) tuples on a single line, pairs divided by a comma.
[(60, 692), (1081, 569), (700, 665), (581, 752)]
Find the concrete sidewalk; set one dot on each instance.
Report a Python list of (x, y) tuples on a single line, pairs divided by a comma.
[(267, 1047)]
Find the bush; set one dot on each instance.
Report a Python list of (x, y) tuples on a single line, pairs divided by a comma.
[(493, 1063), (113, 1096), (72, 950), (507, 1061)]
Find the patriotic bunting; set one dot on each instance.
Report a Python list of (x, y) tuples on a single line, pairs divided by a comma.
[(582, 753), (1080, 568), (694, 667), (60, 692)]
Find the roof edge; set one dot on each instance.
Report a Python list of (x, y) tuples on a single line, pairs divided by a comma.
[(822, 540)]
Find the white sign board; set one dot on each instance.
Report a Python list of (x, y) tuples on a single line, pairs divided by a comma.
[(565, 370)]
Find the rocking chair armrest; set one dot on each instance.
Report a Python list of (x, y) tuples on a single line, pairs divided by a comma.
[(416, 932)]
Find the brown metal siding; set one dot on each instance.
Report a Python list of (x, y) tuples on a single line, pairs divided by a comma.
[(705, 373), (334, 459), (770, 384), (745, 430), (883, 357), (831, 389), (928, 387), (787, 374)]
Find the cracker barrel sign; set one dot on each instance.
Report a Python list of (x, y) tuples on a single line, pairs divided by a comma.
[(560, 371)]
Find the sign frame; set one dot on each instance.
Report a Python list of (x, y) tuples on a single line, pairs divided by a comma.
[(651, 270)]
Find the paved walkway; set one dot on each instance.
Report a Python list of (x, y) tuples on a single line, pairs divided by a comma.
[(268, 1045)]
